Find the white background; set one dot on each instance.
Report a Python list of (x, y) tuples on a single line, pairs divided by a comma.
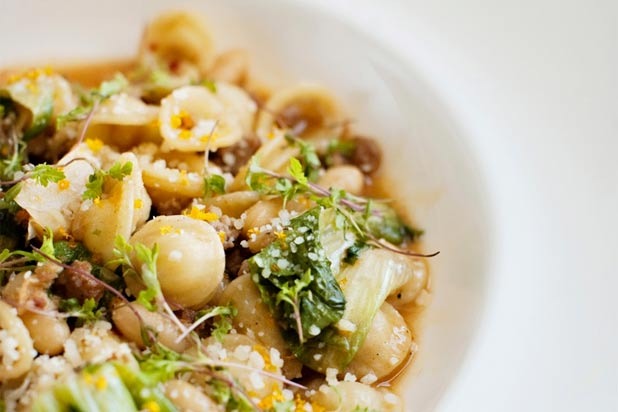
[(534, 83)]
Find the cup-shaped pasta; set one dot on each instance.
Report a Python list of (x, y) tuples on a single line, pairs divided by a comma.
[(233, 204), (346, 177), (254, 319), (171, 179), (48, 333), (127, 110), (231, 67), (386, 347), (191, 259), (96, 343), (354, 396), (403, 297), (129, 325), (188, 397), (194, 118), (176, 38), (309, 110), (273, 155), (124, 206), (16, 349), (252, 359), (54, 206)]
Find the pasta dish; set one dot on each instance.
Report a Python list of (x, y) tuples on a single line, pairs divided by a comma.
[(176, 236)]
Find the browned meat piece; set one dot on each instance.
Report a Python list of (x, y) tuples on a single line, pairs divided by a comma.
[(29, 289), (234, 157), (78, 286), (367, 155)]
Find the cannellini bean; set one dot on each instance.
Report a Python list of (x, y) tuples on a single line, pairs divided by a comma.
[(348, 396), (346, 177), (188, 398), (177, 37), (129, 325), (386, 346), (310, 108), (16, 348), (254, 319), (403, 297), (191, 259), (48, 333)]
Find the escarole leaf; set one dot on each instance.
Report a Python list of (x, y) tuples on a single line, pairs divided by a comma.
[(104, 388), (367, 283), (296, 281)]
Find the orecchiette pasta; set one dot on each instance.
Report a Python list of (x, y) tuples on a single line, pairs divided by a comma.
[(194, 118), (129, 325), (176, 38), (16, 349), (351, 396), (123, 207), (188, 398), (123, 109), (310, 109), (345, 177), (386, 346), (191, 258)]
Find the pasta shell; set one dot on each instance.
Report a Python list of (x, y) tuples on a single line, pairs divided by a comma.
[(125, 206), (309, 110), (123, 109), (193, 118)]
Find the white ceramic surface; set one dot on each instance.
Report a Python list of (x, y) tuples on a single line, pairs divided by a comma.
[(480, 135)]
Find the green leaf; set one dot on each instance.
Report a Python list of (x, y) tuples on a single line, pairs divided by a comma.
[(148, 257), (119, 170), (43, 174), (296, 171), (210, 85), (214, 185), (296, 282), (68, 252), (94, 186), (88, 312), (111, 87)]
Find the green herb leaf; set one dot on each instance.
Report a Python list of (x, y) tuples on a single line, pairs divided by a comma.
[(88, 311), (210, 85), (43, 174), (119, 170), (308, 157), (214, 185), (94, 186), (148, 257), (296, 171)]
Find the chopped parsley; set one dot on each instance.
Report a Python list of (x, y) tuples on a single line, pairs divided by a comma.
[(94, 186)]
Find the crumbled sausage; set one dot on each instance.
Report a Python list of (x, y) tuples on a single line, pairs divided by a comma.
[(367, 155), (29, 289), (76, 285), (232, 158)]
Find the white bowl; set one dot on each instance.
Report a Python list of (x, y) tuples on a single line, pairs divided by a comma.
[(425, 154)]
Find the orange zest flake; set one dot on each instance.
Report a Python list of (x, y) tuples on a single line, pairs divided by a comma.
[(268, 401), (280, 235), (185, 134), (94, 144), (253, 231), (151, 406), (183, 178), (200, 214), (268, 365), (138, 203), (167, 229), (101, 383), (212, 137), (96, 200), (222, 236), (64, 184), (182, 120)]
